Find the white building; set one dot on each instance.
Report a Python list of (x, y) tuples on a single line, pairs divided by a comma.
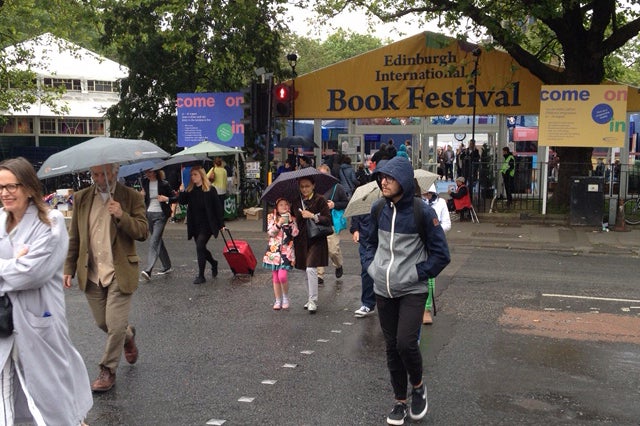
[(91, 83)]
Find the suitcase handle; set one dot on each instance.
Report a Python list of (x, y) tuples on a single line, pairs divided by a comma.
[(235, 247)]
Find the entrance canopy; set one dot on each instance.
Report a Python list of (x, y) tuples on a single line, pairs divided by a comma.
[(424, 75)]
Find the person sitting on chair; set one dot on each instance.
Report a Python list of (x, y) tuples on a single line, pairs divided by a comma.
[(459, 199)]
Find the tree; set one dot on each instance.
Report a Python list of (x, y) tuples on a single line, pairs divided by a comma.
[(184, 46), (25, 19), (560, 42)]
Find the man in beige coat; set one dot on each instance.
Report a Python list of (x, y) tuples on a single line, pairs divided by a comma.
[(108, 218)]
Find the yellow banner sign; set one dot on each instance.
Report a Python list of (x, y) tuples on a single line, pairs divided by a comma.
[(583, 116), (427, 74)]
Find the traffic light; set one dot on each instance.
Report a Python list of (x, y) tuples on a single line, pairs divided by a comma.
[(257, 109), (282, 96)]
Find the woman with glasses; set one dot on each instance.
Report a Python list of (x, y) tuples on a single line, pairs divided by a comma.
[(310, 253), (44, 379)]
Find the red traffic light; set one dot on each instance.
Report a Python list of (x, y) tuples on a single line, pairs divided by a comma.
[(282, 93), (283, 97)]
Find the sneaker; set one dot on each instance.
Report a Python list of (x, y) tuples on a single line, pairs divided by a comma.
[(166, 271), (398, 414), (363, 312), (285, 303), (339, 272), (312, 307), (320, 281), (419, 403), (306, 306), (277, 305), (145, 275)]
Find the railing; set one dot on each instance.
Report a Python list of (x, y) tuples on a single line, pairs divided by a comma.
[(528, 185)]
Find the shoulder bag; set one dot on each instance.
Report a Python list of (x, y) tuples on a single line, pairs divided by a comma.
[(6, 316), (339, 221), (317, 230)]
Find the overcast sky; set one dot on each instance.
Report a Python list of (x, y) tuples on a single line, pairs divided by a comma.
[(354, 22)]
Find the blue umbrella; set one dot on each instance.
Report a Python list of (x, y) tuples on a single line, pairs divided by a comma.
[(135, 168)]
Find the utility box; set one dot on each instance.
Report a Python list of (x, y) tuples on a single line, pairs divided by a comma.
[(587, 200)]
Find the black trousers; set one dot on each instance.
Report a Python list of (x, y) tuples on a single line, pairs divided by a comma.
[(401, 323), (203, 253)]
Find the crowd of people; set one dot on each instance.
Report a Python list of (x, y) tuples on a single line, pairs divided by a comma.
[(99, 251)]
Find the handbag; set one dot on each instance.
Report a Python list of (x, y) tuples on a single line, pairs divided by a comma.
[(6, 316), (339, 221), (316, 230)]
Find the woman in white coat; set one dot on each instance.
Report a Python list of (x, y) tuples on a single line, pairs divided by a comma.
[(45, 381), (440, 206)]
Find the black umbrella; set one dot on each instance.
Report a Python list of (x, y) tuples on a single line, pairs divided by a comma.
[(286, 184), (296, 141)]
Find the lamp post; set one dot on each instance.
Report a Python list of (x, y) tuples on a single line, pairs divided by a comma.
[(476, 53), (292, 58)]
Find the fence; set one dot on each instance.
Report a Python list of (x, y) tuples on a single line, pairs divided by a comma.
[(528, 184)]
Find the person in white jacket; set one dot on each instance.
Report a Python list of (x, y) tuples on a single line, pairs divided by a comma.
[(440, 206), (44, 379)]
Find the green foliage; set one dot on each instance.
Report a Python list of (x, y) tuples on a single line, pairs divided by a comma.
[(184, 46)]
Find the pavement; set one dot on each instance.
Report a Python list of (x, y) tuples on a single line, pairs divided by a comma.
[(511, 230)]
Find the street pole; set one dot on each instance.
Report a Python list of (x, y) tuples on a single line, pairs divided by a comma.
[(476, 53), (292, 58)]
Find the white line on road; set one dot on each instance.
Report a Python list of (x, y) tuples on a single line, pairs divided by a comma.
[(608, 299)]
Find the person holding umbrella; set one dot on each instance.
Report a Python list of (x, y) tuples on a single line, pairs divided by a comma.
[(108, 218), (158, 198), (310, 253)]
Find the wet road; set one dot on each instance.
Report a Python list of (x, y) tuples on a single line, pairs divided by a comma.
[(508, 346)]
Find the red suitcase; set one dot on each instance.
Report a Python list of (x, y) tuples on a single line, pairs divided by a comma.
[(239, 255)]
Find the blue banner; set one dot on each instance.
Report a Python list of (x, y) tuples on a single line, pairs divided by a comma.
[(215, 117)]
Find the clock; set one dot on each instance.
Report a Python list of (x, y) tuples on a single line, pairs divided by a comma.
[(460, 136)]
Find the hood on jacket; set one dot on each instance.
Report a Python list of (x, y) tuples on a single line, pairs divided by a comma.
[(400, 169)]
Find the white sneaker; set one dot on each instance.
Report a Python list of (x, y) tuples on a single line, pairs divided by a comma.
[(312, 307), (363, 312), (145, 275), (306, 306)]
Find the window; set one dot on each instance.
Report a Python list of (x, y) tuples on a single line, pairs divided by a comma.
[(102, 86), (22, 125), (48, 126), (70, 126), (68, 83), (96, 126)]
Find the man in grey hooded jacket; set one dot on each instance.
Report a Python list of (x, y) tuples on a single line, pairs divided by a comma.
[(400, 263)]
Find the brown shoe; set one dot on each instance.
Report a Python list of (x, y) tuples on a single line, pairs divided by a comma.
[(105, 381), (426, 318), (130, 348)]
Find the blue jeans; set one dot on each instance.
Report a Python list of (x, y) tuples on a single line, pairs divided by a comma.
[(368, 298), (157, 222)]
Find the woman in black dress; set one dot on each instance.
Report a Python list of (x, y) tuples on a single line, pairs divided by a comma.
[(205, 217)]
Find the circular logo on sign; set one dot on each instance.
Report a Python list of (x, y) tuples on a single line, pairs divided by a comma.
[(224, 132), (602, 113)]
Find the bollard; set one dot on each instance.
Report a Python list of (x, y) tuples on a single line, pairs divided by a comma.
[(620, 222)]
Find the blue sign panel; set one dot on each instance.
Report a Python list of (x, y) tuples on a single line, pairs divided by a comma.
[(215, 117)]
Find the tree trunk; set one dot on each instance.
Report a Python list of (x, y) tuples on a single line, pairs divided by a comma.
[(573, 162)]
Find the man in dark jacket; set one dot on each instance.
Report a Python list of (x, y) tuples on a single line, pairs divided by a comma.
[(401, 261)]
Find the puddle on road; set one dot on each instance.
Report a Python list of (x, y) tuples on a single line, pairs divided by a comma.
[(571, 325)]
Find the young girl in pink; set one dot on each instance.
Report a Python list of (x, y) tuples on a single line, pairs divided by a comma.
[(280, 257)]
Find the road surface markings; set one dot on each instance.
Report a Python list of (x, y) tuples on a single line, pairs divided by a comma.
[(322, 340), (216, 422), (606, 299), (307, 352), (290, 366), (246, 399), (269, 382)]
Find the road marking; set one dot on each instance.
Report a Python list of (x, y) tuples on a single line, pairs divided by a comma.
[(307, 352), (607, 299), (269, 382), (322, 340), (290, 366), (216, 422), (246, 399)]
